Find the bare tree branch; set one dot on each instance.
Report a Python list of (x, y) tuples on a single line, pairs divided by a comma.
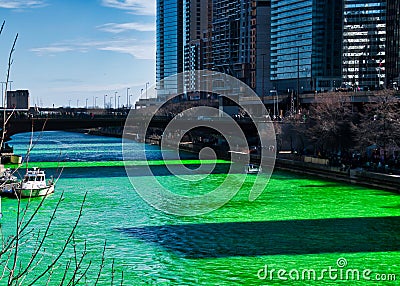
[(65, 244), (10, 62), (2, 26)]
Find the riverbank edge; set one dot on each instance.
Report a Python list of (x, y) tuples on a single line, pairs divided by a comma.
[(352, 176), (358, 177)]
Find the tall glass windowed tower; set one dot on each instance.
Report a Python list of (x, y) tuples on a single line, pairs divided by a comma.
[(170, 43), (306, 42), (364, 43)]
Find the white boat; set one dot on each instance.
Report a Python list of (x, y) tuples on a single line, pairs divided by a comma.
[(34, 184), (7, 177), (7, 183), (252, 169)]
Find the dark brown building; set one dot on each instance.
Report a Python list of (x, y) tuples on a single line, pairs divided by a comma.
[(18, 99)]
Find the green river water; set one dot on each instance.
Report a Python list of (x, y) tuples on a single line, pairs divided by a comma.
[(298, 223)]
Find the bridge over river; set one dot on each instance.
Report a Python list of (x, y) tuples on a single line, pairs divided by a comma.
[(26, 124), (23, 121), (51, 119)]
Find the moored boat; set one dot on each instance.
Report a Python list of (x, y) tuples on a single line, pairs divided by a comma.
[(7, 183), (252, 169), (7, 177), (34, 184)]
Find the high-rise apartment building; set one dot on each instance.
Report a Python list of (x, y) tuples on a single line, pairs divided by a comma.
[(364, 43), (306, 42), (240, 41), (198, 24)]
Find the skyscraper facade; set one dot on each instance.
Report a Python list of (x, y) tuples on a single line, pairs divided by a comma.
[(170, 43), (306, 39), (198, 21), (240, 41), (364, 43), (392, 64)]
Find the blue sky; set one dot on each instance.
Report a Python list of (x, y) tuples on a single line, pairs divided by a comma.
[(70, 50)]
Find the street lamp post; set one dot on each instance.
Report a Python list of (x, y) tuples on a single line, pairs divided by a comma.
[(263, 78), (298, 76), (105, 101), (147, 83), (130, 101), (118, 100), (4, 96), (115, 99), (95, 102), (111, 102), (69, 103), (127, 97), (86, 103), (2, 93), (77, 103)]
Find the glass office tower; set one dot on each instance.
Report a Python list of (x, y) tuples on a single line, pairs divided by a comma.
[(306, 38), (170, 43), (364, 43)]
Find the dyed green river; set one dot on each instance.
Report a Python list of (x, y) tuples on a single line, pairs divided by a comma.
[(300, 231)]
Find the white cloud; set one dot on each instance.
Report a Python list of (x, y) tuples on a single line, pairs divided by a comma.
[(139, 7), (144, 50), (93, 87), (119, 28), (21, 4), (52, 50)]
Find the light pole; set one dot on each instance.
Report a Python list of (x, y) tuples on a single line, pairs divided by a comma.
[(130, 101), (115, 99), (298, 72), (69, 103), (263, 78), (111, 101), (298, 77), (147, 83), (77, 103), (4, 96), (127, 97), (86, 103), (105, 101), (95, 102), (118, 100), (2, 93)]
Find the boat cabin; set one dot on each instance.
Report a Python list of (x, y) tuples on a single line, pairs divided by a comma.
[(35, 177)]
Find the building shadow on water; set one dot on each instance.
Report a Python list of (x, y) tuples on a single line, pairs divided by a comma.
[(138, 171), (343, 235)]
